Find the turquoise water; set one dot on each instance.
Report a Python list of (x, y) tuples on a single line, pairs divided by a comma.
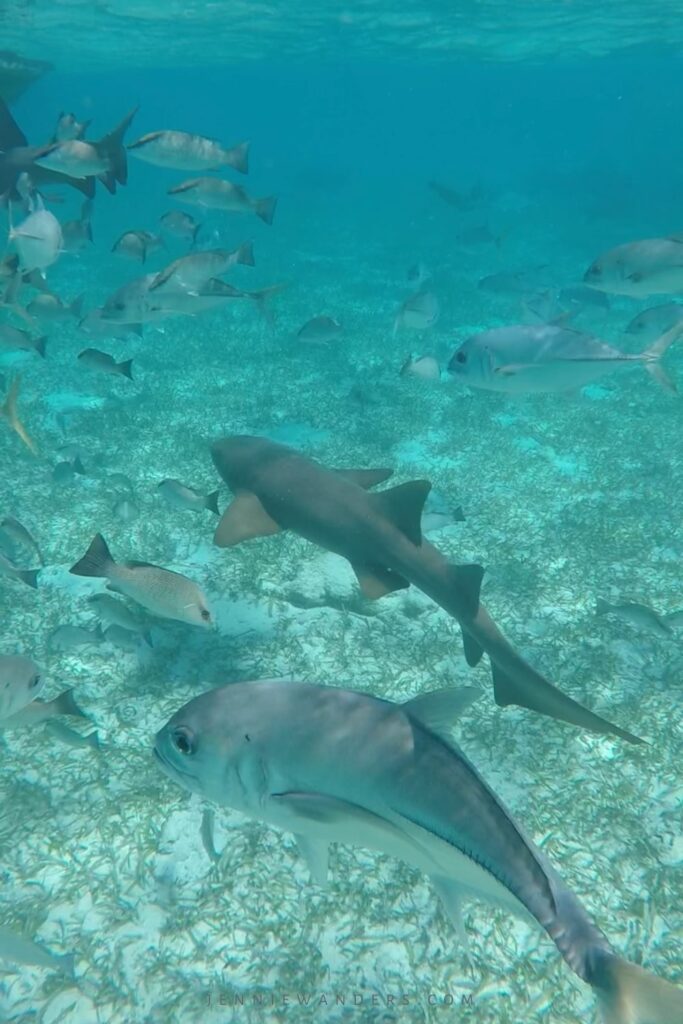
[(559, 135)]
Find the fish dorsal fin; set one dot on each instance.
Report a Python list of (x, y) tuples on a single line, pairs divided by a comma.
[(365, 478), (439, 710), (466, 583), (11, 135), (244, 519), (316, 854), (403, 507), (376, 581)]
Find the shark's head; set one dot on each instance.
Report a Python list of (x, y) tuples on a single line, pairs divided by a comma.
[(235, 456), (209, 748)]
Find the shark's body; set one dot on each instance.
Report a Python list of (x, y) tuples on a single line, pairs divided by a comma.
[(332, 765), (276, 489)]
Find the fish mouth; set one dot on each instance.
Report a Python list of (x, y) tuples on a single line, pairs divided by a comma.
[(168, 767)]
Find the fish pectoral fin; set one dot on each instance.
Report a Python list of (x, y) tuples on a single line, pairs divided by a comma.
[(376, 581), (365, 478), (473, 649), (440, 709), (403, 506), (244, 519), (316, 854), (451, 896)]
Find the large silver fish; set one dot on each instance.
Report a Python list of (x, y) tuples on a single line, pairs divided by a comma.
[(528, 358), (38, 239), (651, 266), (183, 151), (332, 765), (190, 273)]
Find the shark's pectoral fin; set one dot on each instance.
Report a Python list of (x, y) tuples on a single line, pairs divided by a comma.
[(451, 895), (540, 695), (403, 506), (473, 650), (440, 709), (315, 853), (365, 478), (376, 581), (244, 519), (466, 582)]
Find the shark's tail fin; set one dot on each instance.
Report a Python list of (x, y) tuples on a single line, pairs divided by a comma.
[(11, 414), (112, 147), (630, 995)]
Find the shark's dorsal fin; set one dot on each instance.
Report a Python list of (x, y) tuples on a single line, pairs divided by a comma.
[(466, 581), (440, 709), (243, 519), (403, 506), (376, 581), (365, 478)]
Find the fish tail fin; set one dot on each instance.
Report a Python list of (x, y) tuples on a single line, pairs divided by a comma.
[(245, 254), (653, 354), (628, 994), (112, 147), (126, 368), (211, 502), (11, 414), (238, 157), (97, 560), (265, 208), (65, 704), (261, 297), (39, 345), (601, 606)]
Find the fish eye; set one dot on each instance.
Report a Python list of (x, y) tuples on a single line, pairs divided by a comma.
[(460, 357), (35, 681), (183, 741), (205, 614)]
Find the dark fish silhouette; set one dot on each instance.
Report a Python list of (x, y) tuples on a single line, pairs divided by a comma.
[(277, 489)]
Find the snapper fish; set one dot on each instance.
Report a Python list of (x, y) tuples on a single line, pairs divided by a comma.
[(21, 684), (419, 312), (38, 239), (535, 358), (216, 194), (651, 266), (170, 595), (333, 765), (654, 321), (190, 273), (182, 151)]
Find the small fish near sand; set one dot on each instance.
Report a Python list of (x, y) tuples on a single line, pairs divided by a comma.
[(180, 225), (20, 536), (102, 362), (216, 194), (422, 367), (332, 765), (190, 273), (179, 495), (652, 322), (536, 358), (10, 413), (18, 949), (319, 331), (639, 615), (137, 245), (419, 312), (182, 151), (13, 339), (50, 308), (164, 593), (10, 571), (21, 683)]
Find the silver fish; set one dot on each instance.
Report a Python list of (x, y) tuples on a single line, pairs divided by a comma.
[(424, 367), (651, 266), (20, 684), (50, 307), (320, 330), (98, 325), (111, 611), (77, 234), (528, 358), (76, 158), (419, 312), (334, 765), (179, 495), (136, 245), (12, 572), (217, 194), (191, 272), (38, 240), (180, 224), (66, 638), (72, 738), (183, 151), (39, 711), (652, 322), (162, 592), (93, 359), (68, 127), (19, 535), (12, 339), (639, 615)]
